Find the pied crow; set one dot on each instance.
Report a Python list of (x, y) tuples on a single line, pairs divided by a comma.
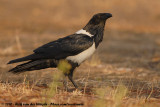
[(74, 49)]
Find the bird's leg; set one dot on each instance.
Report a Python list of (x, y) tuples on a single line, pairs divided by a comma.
[(70, 74), (65, 83), (71, 79)]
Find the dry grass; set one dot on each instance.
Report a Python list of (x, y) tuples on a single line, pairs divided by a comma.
[(103, 96), (123, 73)]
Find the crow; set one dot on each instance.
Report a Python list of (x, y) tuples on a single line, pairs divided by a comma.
[(74, 49)]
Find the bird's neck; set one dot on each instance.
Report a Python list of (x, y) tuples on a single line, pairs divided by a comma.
[(97, 31)]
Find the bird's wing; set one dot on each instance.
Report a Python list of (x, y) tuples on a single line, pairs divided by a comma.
[(63, 47)]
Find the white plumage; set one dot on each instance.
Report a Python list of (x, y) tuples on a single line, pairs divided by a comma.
[(83, 55), (82, 31)]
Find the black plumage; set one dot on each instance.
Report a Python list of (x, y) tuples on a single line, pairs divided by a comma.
[(60, 49), (74, 48)]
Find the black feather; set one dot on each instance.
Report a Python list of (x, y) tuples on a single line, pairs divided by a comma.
[(68, 46), (26, 58), (34, 65), (59, 49)]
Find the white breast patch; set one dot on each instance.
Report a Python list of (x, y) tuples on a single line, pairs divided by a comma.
[(83, 55), (82, 31)]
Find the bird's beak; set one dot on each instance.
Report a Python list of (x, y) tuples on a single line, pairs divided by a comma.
[(108, 15)]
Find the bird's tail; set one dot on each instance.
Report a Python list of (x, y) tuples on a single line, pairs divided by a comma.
[(26, 58), (34, 65)]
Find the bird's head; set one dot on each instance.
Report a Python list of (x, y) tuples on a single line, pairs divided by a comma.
[(100, 18), (97, 23)]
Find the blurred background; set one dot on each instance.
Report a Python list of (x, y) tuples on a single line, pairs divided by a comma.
[(43, 16), (48, 15), (131, 42)]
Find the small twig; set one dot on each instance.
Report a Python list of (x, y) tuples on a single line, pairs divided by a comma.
[(150, 93), (19, 46), (86, 81)]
